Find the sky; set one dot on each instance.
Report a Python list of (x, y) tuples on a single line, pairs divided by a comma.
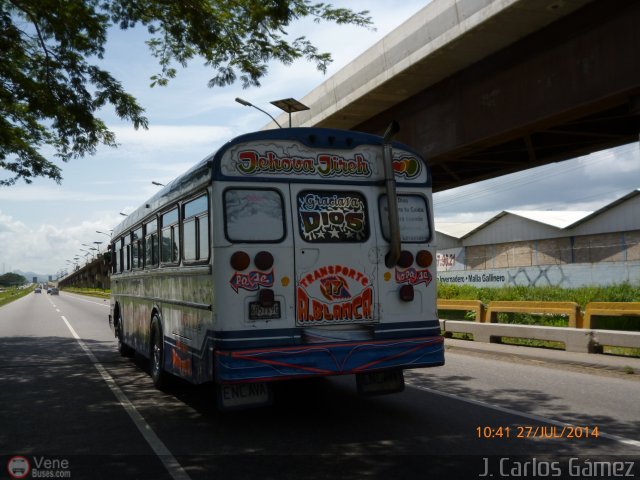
[(43, 226)]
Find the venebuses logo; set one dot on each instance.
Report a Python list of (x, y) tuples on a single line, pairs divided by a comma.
[(39, 467), (18, 467)]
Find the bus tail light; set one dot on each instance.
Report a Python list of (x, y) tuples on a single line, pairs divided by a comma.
[(406, 293), (240, 260), (263, 260), (406, 259), (424, 258)]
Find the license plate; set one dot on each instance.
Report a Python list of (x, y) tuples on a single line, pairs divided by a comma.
[(376, 383), (243, 395), (258, 312)]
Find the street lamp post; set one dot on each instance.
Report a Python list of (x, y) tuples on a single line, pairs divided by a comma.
[(249, 104), (85, 255)]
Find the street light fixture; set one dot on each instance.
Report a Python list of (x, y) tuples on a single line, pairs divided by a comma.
[(158, 184), (249, 104), (290, 105), (104, 233), (124, 214), (98, 244)]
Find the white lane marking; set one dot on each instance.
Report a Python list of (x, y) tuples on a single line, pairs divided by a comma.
[(102, 304), (160, 449), (536, 418)]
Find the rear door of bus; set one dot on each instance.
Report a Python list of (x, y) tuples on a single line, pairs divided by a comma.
[(335, 259)]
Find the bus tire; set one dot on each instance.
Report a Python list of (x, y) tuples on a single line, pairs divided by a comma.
[(124, 349), (156, 354)]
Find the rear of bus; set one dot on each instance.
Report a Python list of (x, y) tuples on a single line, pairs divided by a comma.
[(303, 287)]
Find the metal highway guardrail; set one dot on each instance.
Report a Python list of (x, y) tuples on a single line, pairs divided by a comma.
[(578, 337)]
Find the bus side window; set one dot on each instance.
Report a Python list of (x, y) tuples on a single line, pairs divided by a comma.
[(115, 255), (151, 243), (127, 252), (195, 230), (137, 250), (120, 256), (170, 243)]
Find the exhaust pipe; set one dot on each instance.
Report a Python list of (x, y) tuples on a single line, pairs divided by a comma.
[(392, 256)]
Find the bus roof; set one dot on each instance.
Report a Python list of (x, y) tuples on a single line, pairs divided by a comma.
[(211, 167)]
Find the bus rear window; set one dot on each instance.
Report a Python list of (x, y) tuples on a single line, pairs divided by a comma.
[(413, 217), (253, 215), (330, 216)]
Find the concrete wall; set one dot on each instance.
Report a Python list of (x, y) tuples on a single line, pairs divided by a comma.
[(566, 276)]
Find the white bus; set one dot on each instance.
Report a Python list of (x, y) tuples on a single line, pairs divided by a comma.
[(287, 254)]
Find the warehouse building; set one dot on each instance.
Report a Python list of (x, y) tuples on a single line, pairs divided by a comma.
[(537, 248)]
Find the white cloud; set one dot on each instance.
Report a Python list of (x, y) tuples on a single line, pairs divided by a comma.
[(46, 248), (612, 162), (171, 136)]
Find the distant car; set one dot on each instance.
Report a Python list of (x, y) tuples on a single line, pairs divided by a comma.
[(37, 290), (49, 290), (54, 291)]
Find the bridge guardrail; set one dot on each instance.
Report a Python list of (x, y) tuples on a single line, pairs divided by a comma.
[(571, 309), (579, 336), (574, 339), (609, 309), (577, 318), (475, 306)]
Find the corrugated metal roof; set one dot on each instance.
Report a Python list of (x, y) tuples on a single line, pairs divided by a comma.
[(456, 230), (554, 218), (608, 206)]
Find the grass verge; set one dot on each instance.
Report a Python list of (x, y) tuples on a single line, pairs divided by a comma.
[(92, 292), (11, 294)]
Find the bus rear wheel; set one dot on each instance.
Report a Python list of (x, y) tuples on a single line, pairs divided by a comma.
[(124, 349), (158, 375)]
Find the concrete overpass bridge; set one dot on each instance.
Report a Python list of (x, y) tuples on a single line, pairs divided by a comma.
[(483, 88), (93, 274)]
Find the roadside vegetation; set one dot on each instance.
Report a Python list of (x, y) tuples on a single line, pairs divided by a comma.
[(13, 293), (92, 292), (617, 293)]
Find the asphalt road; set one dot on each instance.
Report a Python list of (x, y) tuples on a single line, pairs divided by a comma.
[(67, 396)]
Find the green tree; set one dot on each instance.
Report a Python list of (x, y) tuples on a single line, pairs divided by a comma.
[(12, 279), (51, 88)]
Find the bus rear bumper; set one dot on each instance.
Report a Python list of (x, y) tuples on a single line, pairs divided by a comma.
[(319, 360)]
